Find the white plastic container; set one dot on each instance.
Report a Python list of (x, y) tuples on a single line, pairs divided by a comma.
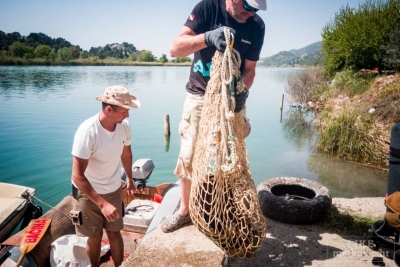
[(139, 214)]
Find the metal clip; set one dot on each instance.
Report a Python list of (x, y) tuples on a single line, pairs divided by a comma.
[(76, 217), (232, 41)]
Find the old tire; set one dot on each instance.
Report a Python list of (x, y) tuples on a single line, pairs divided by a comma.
[(294, 200)]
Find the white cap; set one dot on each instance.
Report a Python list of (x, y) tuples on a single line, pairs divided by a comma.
[(259, 4)]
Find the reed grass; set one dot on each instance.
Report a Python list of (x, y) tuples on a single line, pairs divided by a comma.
[(353, 135)]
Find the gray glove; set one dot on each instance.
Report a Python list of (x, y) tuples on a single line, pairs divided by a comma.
[(217, 38), (240, 100)]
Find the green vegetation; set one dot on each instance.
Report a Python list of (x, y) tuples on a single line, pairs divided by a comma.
[(353, 135), (355, 100), (38, 48), (347, 224), (360, 38)]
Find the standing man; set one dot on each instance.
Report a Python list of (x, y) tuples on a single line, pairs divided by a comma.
[(202, 35), (101, 143)]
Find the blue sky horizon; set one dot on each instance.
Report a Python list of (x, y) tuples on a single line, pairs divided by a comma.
[(152, 25)]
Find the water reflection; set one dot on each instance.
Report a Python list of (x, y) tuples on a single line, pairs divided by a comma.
[(344, 179), (116, 77), (297, 127), (18, 81)]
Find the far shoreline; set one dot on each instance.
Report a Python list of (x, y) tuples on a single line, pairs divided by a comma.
[(42, 62)]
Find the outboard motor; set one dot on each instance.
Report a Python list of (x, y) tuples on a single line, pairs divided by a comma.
[(394, 160), (141, 171)]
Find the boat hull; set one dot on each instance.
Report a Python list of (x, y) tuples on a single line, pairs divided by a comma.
[(61, 225), (14, 206)]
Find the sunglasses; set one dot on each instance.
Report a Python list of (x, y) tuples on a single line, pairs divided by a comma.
[(249, 7)]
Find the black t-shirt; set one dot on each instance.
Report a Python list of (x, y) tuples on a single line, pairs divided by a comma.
[(208, 15)]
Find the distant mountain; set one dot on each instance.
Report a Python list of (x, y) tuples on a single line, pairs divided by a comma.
[(308, 55)]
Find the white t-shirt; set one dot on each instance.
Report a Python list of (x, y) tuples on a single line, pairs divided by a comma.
[(103, 149)]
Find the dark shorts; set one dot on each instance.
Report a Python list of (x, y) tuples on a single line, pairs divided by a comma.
[(93, 221)]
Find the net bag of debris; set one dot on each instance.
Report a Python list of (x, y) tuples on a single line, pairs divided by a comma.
[(224, 204)]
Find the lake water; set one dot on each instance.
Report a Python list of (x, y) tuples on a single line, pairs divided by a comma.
[(43, 106)]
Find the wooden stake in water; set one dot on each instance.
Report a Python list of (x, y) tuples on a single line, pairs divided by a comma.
[(166, 125), (281, 108), (167, 133)]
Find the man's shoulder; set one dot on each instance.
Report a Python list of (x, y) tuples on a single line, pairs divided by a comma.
[(88, 123), (125, 125), (258, 20), (209, 5)]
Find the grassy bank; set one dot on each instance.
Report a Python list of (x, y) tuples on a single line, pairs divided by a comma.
[(83, 62), (354, 113)]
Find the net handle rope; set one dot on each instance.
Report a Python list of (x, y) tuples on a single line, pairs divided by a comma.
[(229, 72)]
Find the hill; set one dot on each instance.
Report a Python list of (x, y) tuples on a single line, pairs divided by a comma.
[(308, 55)]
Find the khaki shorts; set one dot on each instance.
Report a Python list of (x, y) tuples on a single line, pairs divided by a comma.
[(93, 221), (189, 128)]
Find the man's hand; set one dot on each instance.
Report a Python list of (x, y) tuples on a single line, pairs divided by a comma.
[(240, 100), (130, 189), (217, 38), (110, 212)]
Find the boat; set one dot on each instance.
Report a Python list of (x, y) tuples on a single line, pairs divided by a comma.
[(143, 213), (16, 207)]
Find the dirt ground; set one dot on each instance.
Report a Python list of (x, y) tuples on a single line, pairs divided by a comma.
[(285, 245)]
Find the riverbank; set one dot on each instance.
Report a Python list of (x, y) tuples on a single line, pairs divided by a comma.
[(85, 62), (285, 245)]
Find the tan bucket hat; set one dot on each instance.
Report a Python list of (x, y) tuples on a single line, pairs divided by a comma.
[(119, 96)]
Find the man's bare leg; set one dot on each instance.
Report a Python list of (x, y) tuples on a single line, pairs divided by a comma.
[(116, 247), (185, 196), (93, 247)]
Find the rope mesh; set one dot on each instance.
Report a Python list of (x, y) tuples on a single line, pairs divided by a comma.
[(224, 203)]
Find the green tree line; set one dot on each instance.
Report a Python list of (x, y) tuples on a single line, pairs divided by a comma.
[(39, 45), (364, 37)]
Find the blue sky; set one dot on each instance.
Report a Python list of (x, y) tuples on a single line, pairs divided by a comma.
[(152, 25)]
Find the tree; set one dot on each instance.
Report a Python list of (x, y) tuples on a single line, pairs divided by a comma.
[(73, 52), (146, 56), (42, 51), (63, 54), (60, 43), (355, 38), (392, 57), (133, 57), (36, 39), (84, 54), (19, 49), (52, 56), (163, 58), (182, 59), (8, 39)]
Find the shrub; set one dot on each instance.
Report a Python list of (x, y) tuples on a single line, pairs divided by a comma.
[(42, 51), (305, 86), (352, 83)]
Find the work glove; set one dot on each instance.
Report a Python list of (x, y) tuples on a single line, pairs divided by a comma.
[(240, 100), (216, 38)]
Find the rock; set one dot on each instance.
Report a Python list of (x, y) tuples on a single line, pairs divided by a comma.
[(285, 244)]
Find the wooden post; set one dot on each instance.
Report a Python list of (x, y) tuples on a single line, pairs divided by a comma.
[(166, 125), (166, 143), (167, 132), (283, 97), (281, 108)]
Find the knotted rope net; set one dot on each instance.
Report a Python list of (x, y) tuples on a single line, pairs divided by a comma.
[(224, 204)]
